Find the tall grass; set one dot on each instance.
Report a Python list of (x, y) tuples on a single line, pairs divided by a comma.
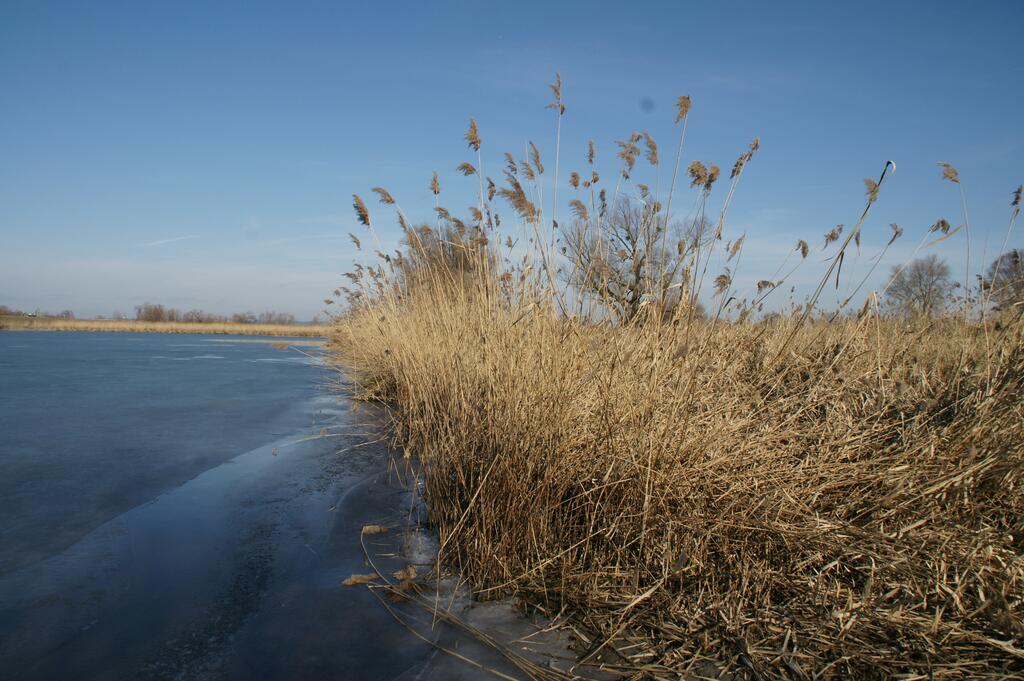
[(819, 495)]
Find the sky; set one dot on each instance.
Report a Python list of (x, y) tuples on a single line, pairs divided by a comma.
[(203, 155)]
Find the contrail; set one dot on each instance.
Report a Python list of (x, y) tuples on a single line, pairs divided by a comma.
[(161, 242), (308, 237)]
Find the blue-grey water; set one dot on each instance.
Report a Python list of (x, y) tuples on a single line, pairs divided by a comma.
[(186, 507), (93, 425), (169, 510)]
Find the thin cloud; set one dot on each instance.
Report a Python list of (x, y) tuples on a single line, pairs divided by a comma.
[(309, 237), (161, 242)]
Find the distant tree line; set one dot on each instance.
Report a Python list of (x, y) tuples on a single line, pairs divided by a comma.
[(151, 312), (924, 287), (14, 312)]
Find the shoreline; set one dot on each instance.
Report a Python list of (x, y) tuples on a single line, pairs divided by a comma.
[(132, 326)]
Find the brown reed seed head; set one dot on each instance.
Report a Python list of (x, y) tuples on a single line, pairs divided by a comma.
[(737, 167), (652, 149), (574, 180), (745, 156), (435, 185), (897, 232), (949, 172), (871, 189), (682, 107), (628, 152), (355, 240), (735, 248), (722, 282), (535, 157), (698, 174), (385, 196), (1016, 197), (491, 189), (713, 173), (941, 225), (516, 196), (466, 169), (594, 177), (580, 210), (362, 214), (591, 152), (834, 234), (473, 135), (556, 90), (803, 247)]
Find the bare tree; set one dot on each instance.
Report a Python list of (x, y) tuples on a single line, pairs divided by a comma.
[(244, 318), (149, 312), (921, 287), (1004, 280), (272, 317), (633, 256)]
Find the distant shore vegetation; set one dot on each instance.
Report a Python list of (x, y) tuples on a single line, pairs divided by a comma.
[(156, 318)]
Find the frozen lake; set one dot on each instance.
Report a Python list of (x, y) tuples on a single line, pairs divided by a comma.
[(170, 509)]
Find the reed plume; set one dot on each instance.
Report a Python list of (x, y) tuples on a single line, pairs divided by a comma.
[(473, 136), (362, 214), (385, 196), (949, 172), (682, 107), (652, 149)]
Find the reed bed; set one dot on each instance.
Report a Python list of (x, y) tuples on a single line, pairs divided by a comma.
[(804, 497), (133, 326)]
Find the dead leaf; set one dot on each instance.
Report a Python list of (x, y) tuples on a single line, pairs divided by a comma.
[(356, 580), (406, 573)]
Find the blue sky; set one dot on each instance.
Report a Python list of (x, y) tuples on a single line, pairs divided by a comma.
[(204, 154)]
